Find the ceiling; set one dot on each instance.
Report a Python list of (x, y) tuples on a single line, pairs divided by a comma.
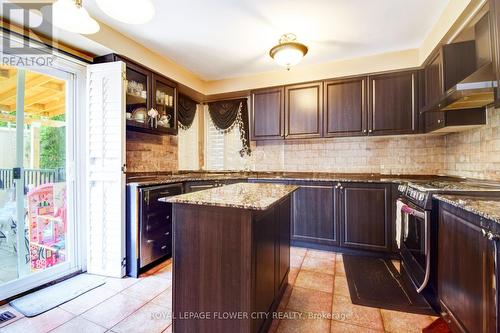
[(229, 38)]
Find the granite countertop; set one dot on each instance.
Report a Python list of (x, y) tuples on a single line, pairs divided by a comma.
[(240, 195), (285, 176), (486, 207)]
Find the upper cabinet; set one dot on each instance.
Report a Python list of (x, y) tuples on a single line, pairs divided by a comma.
[(151, 98), (304, 110), (345, 107), (393, 103), (164, 102), (268, 114), (494, 15)]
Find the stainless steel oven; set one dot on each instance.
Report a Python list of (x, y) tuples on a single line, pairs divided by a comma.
[(415, 248)]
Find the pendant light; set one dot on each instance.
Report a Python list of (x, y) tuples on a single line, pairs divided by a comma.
[(128, 11), (288, 52), (71, 16)]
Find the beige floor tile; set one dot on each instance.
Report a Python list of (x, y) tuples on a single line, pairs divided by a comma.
[(356, 314), (308, 300), (39, 324), (79, 325), (339, 327), (164, 299), (321, 254), (151, 318), (397, 265), (339, 257), (395, 321), (148, 288), (316, 281), (292, 275), (339, 269), (296, 261), (304, 324), (340, 286), (120, 284), (88, 300), (164, 273), (319, 265), (298, 251), (9, 308), (113, 310)]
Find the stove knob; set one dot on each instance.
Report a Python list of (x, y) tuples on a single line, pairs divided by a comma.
[(421, 197)]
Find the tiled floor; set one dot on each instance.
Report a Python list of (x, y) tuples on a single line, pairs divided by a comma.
[(317, 286)]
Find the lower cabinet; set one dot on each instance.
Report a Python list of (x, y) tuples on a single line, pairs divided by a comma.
[(466, 271), (313, 213), (365, 216)]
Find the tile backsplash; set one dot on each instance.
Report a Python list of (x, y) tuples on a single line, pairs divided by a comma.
[(151, 153), (473, 153), (390, 155)]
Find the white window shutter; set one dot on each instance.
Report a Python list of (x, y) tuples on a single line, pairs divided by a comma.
[(105, 160)]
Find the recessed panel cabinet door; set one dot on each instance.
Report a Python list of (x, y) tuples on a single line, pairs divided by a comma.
[(465, 273), (313, 214), (304, 110), (345, 107), (268, 114), (365, 216), (393, 103)]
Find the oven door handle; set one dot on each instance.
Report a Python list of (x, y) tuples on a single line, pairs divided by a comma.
[(406, 209), (427, 251)]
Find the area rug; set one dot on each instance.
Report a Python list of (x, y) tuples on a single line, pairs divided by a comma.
[(48, 298), (375, 282)]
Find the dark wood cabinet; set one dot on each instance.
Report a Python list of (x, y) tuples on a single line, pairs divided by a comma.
[(229, 260), (164, 100), (147, 89), (345, 107), (265, 261), (313, 213), (283, 244), (393, 103), (494, 15), (365, 216), (449, 65), (304, 110), (466, 271), (267, 114)]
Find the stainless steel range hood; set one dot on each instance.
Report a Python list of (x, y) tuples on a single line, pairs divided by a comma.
[(475, 91)]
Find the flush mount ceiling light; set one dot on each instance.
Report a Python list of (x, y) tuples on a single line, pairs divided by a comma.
[(288, 52), (71, 16), (128, 11)]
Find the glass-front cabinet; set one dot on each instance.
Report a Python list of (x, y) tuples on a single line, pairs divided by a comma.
[(165, 105), (151, 98), (137, 98)]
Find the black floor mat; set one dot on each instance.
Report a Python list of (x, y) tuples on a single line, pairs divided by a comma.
[(375, 282)]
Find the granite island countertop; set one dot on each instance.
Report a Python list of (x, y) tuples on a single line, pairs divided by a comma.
[(486, 207), (240, 195)]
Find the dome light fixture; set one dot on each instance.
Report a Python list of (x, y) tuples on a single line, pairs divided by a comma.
[(71, 16), (288, 52), (128, 11)]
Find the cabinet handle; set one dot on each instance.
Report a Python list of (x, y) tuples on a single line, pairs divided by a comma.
[(364, 131), (341, 188), (149, 241), (439, 121), (369, 131), (163, 247), (167, 233)]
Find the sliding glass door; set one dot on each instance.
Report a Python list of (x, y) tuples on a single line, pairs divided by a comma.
[(37, 233)]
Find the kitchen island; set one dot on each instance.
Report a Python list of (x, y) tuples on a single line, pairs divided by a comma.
[(231, 257)]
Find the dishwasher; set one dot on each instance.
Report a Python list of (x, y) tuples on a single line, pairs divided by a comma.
[(149, 226)]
